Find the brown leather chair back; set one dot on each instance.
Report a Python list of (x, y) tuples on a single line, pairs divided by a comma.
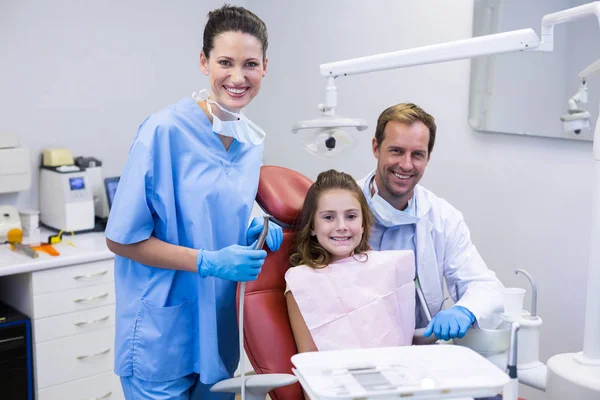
[(268, 337)]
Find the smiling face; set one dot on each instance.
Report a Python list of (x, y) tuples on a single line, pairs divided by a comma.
[(338, 223), (235, 69), (401, 161)]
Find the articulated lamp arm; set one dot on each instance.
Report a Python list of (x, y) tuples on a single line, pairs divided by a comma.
[(506, 42)]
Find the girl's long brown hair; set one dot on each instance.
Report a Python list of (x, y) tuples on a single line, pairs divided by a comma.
[(308, 251)]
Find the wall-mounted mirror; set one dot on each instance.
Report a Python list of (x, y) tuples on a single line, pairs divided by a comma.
[(527, 93)]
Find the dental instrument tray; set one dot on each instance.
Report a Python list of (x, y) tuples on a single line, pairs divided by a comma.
[(417, 372)]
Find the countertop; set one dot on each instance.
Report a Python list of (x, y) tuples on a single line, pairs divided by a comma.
[(88, 247)]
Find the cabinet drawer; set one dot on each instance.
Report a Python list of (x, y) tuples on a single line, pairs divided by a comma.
[(47, 305), (58, 279), (70, 324), (63, 360), (100, 387)]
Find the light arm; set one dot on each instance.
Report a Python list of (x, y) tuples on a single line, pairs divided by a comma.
[(590, 70), (560, 17), (507, 42)]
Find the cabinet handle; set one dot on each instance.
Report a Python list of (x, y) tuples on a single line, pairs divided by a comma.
[(90, 276), (92, 298), (87, 357), (106, 396), (93, 321)]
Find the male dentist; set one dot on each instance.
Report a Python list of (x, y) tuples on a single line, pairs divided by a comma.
[(410, 217)]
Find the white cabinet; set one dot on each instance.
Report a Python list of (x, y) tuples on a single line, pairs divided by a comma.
[(74, 323), (68, 301), (99, 387), (74, 357), (73, 277), (72, 309)]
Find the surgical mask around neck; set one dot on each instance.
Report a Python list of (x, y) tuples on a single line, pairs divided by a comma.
[(241, 129), (386, 214)]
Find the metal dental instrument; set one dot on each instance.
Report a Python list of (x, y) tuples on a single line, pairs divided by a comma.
[(259, 244), (422, 300)]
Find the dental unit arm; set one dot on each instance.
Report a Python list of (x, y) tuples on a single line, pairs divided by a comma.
[(568, 375), (576, 117)]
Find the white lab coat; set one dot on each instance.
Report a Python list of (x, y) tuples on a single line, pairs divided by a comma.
[(444, 250)]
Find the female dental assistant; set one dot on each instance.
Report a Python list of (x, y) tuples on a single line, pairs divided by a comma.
[(179, 223)]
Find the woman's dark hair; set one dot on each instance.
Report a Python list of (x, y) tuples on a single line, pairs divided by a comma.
[(233, 19), (308, 251)]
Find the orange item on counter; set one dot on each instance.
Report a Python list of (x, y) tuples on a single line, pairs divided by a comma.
[(46, 248)]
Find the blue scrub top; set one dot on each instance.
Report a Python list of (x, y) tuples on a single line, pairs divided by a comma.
[(181, 186)]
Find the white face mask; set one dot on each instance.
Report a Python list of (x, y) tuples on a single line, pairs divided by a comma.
[(241, 129), (386, 214)]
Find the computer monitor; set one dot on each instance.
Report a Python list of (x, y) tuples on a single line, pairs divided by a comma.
[(110, 184)]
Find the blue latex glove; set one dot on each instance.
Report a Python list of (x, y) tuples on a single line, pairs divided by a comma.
[(274, 236), (450, 323), (234, 263)]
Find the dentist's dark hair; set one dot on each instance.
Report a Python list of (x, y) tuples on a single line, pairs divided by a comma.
[(233, 19), (308, 251), (407, 113)]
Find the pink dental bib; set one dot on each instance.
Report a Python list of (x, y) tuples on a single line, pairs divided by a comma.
[(359, 302)]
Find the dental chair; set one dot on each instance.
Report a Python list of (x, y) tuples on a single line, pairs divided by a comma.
[(268, 337)]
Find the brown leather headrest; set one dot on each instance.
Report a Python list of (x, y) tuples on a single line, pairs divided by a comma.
[(281, 193)]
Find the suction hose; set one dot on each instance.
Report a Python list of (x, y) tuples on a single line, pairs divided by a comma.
[(259, 245)]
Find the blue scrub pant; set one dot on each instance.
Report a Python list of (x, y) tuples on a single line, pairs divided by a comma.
[(187, 388)]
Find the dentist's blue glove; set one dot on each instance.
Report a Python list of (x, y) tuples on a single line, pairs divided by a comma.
[(450, 323), (234, 263), (274, 236)]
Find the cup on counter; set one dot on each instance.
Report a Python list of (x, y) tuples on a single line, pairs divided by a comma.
[(513, 301)]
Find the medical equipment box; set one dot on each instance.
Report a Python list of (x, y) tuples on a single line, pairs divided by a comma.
[(418, 372), (15, 170), (66, 200), (9, 220)]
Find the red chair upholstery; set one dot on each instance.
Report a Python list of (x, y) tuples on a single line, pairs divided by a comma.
[(268, 337)]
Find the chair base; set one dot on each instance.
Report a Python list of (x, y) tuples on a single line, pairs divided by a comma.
[(257, 386)]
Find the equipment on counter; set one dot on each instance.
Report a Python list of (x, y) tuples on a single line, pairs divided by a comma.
[(93, 169), (66, 200), (9, 220), (15, 168)]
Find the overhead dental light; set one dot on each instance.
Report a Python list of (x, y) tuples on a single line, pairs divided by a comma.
[(577, 119), (575, 374), (325, 136), (330, 135)]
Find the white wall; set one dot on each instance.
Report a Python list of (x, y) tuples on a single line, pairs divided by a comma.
[(527, 200), (85, 74)]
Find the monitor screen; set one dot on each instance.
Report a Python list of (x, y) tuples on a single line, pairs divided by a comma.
[(111, 188), (77, 183)]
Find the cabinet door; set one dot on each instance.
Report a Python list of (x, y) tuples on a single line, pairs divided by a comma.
[(57, 303), (100, 387), (70, 324), (63, 360)]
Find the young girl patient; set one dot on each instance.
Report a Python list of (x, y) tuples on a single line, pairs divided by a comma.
[(341, 295)]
